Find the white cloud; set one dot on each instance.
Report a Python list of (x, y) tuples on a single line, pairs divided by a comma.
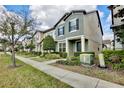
[(109, 18), (108, 36), (50, 14), (101, 14)]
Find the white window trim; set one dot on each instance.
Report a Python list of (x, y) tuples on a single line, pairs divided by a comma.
[(60, 27), (61, 35), (73, 31), (59, 46), (74, 19)]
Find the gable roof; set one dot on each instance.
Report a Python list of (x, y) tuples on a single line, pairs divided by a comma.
[(66, 15), (75, 11), (36, 32), (45, 31)]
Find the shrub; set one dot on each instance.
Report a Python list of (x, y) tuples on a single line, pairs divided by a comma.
[(63, 54), (115, 59), (52, 56), (118, 66), (76, 54), (70, 61), (109, 53)]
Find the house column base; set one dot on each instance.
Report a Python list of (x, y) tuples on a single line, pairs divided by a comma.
[(67, 47), (82, 44)]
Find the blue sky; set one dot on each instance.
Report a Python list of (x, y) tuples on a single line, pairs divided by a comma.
[(104, 15)]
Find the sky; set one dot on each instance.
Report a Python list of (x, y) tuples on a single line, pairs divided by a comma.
[(48, 15)]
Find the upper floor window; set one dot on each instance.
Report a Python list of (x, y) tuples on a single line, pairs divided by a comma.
[(73, 25), (61, 30)]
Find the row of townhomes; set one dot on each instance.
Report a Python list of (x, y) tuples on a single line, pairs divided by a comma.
[(76, 31), (116, 23)]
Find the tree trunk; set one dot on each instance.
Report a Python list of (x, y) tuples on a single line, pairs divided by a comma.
[(13, 48), (13, 57), (4, 49), (123, 46)]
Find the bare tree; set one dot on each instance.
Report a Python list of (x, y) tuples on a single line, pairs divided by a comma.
[(15, 27)]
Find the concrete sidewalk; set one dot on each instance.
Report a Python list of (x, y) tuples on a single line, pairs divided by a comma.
[(74, 79)]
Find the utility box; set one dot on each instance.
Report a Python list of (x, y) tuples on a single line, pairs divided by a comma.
[(86, 59)]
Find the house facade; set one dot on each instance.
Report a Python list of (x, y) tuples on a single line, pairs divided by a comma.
[(107, 44), (77, 31), (116, 23)]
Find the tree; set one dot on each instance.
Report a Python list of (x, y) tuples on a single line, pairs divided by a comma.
[(49, 43), (15, 26), (119, 31), (4, 43), (19, 47), (30, 46)]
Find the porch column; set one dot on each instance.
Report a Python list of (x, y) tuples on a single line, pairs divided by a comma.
[(67, 47), (82, 44)]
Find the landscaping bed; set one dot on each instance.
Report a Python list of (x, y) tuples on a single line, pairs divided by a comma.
[(25, 76), (95, 71), (114, 71)]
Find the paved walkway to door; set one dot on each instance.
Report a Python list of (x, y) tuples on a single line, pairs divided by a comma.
[(74, 79)]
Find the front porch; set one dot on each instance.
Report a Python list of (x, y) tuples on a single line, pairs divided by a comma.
[(78, 44)]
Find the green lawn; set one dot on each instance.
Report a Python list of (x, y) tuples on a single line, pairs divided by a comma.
[(39, 59), (27, 56), (25, 76)]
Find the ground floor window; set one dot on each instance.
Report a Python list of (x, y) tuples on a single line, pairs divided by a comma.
[(62, 47)]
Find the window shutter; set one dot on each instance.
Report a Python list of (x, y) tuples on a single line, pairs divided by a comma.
[(63, 30), (77, 24), (58, 31), (69, 27)]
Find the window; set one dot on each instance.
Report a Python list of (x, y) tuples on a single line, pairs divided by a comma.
[(73, 25), (61, 30), (62, 47)]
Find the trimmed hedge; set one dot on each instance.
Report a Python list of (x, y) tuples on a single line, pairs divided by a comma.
[(63, 54), (76, 54), (72, 61), (52, 56)]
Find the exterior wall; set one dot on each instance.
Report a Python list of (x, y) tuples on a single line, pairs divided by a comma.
[(89, 28), (66, 26), (115, 10), (92, 32), (118, 45), (117, 21), (38, 37), (51, 33)]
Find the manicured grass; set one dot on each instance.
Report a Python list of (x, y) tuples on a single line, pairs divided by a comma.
[(105, 74), (39, 59), (27, 56), (25, 76)]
